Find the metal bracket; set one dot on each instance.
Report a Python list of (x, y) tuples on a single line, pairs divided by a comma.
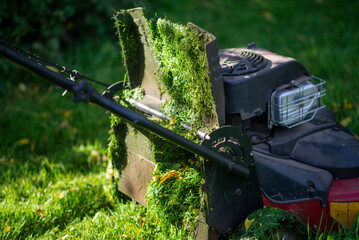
[(82, 92), (111, 90)]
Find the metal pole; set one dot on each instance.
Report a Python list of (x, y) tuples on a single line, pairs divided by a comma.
[(85, 92)]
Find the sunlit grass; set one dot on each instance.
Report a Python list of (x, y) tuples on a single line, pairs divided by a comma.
[(53, 161)]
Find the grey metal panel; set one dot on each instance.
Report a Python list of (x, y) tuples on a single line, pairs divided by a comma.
[(137, 173)]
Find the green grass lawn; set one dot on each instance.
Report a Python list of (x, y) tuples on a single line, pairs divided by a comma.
[(54, 181)]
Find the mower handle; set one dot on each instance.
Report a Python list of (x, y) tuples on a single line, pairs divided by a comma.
[(86, 93)]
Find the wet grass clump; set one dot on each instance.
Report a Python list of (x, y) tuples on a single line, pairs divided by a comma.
[(174, 195), (130, 45), (270, 222), (183, 69), (118, 131)]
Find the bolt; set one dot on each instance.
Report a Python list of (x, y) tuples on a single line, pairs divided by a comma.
[(238, 192), (230, 165)]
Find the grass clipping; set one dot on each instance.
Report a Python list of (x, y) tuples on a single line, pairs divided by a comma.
[(183, 69), (175, 193)]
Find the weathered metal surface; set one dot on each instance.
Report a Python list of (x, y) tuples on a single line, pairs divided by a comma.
[(137, 173), (147, 65), (215, 73)]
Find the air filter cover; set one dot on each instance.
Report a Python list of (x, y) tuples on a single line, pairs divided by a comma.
[(296, 102)]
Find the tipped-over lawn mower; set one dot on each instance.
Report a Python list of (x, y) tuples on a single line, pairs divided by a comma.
[(274, 142)]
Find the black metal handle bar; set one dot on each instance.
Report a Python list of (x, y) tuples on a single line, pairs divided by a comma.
[(86, 93)]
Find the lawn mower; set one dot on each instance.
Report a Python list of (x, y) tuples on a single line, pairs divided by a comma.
[(275, 143)]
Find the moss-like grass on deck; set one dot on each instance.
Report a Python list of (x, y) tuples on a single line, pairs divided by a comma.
[(184, 74), (175, 193)]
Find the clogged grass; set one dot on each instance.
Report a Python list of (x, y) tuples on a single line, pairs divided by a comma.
[(174, 196), (130, 45), (184, 73), (37, 143), (267, 222)]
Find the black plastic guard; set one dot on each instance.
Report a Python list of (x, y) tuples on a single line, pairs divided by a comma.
[(321, 143), (288, 181), (330, 149), (230, 198)]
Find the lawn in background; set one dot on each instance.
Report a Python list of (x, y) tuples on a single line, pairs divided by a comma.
[(53, 160)]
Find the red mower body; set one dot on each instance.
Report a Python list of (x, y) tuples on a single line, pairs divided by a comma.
[(342, 206)]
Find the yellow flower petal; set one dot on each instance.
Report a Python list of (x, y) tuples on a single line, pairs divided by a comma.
[(23, 141), (195, 211), (248, 223), (167, 176), (68, 114), (345, 122), (62, 195), (347, 105)]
